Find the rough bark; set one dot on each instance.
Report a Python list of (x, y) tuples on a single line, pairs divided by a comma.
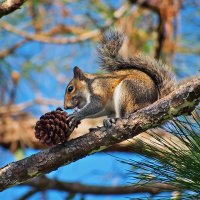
[(183, 100), (10, 6)]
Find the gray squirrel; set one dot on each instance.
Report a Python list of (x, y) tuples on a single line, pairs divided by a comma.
[(128, 85)]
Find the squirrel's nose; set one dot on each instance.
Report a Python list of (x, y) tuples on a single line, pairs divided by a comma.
[(65, 107)]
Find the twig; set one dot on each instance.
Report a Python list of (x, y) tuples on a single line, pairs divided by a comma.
[(10, 50), (22, 106), (29, 194), (47, 39)]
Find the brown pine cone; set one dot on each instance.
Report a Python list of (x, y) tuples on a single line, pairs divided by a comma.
[(53, 127)]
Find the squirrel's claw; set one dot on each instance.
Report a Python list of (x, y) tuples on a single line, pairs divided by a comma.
[(73, 120), (108, 123)]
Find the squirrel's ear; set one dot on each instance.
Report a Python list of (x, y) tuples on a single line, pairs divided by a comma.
[(78, 73)]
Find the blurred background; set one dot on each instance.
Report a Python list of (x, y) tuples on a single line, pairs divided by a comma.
[(41, 42)]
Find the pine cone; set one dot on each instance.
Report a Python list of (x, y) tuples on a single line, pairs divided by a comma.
[(53, 127)]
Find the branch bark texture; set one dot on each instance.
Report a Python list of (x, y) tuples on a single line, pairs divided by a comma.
[(181, 101), (10, 6)]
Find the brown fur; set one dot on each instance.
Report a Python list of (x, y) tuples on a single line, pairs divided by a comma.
[(138, 90), (129, 84), (112, 61)]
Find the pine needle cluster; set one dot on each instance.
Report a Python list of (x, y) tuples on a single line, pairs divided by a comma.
[(173, 162)]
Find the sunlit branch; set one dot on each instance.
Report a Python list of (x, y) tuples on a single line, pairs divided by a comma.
[(81, 37), (9, 6), (47, 39)]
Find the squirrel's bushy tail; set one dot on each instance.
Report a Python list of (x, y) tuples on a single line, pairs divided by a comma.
[(111, 60)]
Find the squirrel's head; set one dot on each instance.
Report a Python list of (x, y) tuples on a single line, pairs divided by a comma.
[(76, 93)]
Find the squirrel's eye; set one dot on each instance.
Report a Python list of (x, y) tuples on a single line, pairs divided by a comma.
[(70, 88)]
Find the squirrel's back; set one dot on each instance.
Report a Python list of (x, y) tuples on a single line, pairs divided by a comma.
[(111, 61)]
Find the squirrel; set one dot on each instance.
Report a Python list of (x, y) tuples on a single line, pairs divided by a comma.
[(129, 84)]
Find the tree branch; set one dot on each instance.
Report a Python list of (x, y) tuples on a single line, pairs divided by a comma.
[(22, 106), (29, 194), (10, 50), (166, 12), (181, 101), (44, 183), (47, 39), (80, 37), (10, 6)]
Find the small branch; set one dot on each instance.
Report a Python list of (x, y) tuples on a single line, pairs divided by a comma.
[(64, 29), (22, 106), (181, 101), (10, 6), (81, 36), (47, 39), (166, 12), (29, 194), (152, 5), (10, 50), (44, 183), (161, 36)]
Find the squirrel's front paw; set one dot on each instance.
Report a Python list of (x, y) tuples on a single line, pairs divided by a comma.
[(109, 122), (73, 120)]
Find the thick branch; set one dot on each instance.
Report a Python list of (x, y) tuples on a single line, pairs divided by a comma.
[(9, 6), (44, 183), (181, 101)]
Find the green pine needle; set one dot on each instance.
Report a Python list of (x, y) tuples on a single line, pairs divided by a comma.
[(172, 162)]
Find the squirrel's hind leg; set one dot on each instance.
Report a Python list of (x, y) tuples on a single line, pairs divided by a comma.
[(124, 102), (124, 97), (131, 95)]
